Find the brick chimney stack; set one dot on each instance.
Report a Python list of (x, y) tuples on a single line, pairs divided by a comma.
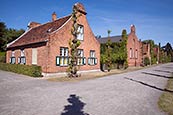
[(54, 16)]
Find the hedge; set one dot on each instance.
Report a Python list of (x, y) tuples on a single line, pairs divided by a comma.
[(30, 70)]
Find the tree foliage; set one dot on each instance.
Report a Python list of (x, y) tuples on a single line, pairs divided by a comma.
[(7, 35), (74, 43), (167, 53), (112, 53)]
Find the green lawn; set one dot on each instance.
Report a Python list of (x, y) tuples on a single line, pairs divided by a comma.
[(166, 99)]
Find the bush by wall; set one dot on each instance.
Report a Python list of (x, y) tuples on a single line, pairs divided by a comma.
[(2, 57), (146, 61), (33, 70)]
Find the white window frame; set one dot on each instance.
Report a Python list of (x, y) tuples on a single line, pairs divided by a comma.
[(13, 53), (80, 59), (80, 31), (22, 52), (92, 60), (12, 58), (63, 58)]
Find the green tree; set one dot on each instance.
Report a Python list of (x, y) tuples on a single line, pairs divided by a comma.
[(168, 52), (8, 35), (108, 54), (124, 48), (74, 43), (3, 31)]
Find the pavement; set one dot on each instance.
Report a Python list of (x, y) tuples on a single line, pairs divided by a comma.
[(132, 93)]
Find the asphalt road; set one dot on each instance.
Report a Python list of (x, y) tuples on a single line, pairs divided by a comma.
[(132, 93)]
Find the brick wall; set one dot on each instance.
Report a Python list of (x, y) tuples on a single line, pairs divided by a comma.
[(133, 44)]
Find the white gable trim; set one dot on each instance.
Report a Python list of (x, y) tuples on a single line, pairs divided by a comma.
[(17, 38), (62, 25)]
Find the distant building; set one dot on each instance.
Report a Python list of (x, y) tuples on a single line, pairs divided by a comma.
[(47, 45), (135, 49)]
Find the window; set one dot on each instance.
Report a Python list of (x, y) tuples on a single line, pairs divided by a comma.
[(62, 60), (21, 59), (92, 60), (13, 54), (131, 53), (22, 53), (80, 31), (136, 54), (12, 58), (81, 59)]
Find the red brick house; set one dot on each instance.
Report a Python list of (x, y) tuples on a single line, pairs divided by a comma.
[(134, 47), (47, 45)]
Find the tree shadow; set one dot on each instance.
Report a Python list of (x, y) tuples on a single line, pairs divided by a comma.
[(75, 106), (164, 71), (163, 76), (169, 67), (154, 87)]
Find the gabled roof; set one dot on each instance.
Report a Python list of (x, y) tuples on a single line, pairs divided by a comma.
[(112, 38), (39, 33)]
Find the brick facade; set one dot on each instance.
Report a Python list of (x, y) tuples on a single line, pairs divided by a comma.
[(134, 48), (47, 39), (135, 54)]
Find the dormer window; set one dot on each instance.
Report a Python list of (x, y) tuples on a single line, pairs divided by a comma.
[(80, 31)]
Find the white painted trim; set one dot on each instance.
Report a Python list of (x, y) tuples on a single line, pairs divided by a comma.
[(62, 25), (17, 38)]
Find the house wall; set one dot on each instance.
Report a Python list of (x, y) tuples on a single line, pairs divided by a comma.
[(47, 53), (133, 44), (41, 55), (62, 37), (146, 51)]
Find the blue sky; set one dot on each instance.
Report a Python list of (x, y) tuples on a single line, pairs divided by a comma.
[(153, 18)]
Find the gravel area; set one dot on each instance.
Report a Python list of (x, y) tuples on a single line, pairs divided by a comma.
[(122, 94)]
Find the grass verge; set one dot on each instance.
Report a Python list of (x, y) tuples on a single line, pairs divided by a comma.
[(92, 75), (166, 99)]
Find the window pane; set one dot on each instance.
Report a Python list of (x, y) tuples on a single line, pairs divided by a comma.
[(22, 53), (12, 53), (65, 61), (92, 53), (66, 52), (61, 61), (80, 32)]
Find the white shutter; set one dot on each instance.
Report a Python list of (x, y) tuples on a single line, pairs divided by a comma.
[(58, 61), (95, 62)]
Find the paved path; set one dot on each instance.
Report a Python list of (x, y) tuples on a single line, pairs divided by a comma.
[(123, 94)]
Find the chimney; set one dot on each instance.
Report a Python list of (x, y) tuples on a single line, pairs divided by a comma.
[(33, 25), (54, 17)]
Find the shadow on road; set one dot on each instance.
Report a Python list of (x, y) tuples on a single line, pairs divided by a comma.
[(154, 87), (75, 106), (164, 71), (163, 76)]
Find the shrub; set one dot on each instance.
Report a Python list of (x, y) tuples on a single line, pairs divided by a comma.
[(146, 61), (30, 70), (2, 57)]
